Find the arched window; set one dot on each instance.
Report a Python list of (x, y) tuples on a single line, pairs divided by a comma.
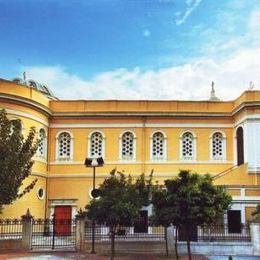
[(218, 147), (127, 146), (96, 145), (240, 145), (42, 144), (64, 146), (158, 146), (188, 146)]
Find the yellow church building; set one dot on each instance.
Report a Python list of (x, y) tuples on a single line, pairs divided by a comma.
[(211, 136)]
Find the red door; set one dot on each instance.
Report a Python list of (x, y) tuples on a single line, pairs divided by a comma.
[(62, 226)]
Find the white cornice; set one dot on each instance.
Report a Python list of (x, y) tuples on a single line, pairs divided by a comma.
[(254, 117), (104, 175), (26, 101), (27, 115), (190, 162), (244, 105), (141, 114), (136, 125), (40, 174)]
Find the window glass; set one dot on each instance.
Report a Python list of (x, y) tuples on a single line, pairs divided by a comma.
[(64, 151), (158, 146), (96, 145), (187, 146), (127, 146)]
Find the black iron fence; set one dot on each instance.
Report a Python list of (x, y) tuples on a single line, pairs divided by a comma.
[(124, 233), (214, 233), (222, 233), (53, 234), (50, 233), (11, 229)]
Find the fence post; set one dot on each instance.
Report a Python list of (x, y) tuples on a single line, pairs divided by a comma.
[(80, 232), (27, 230), (255, 237)]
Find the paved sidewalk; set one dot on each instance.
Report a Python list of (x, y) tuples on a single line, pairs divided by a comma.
[(76, 256)]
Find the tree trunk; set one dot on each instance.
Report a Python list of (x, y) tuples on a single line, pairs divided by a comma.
[(188, 241), (166, 241), (176, 243), (112, 232)]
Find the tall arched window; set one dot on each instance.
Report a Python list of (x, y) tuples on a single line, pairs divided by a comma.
[(64, 146), (240, 145), (42, 148), (127, 146), (96, 145), (187, 146), (158, 151), (218, 147)]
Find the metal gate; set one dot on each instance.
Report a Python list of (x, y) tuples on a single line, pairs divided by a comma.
[(53, 234)]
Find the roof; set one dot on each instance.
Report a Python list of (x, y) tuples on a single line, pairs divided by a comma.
[(36, 85)]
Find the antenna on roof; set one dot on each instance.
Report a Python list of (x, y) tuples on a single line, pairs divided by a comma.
[(251, 85)]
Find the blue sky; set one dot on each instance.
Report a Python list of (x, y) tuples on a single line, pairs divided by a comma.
[(137, 49)]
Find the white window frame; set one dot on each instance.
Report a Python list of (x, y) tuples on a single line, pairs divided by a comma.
[(224, 146), (58, 158), (164, 158), (103, 143), (44, 156), (194, 157), (121, 146)]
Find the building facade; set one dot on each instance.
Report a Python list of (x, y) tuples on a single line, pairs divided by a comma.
[(216, 137)]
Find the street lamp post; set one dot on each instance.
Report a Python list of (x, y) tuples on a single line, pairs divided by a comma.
[(93, 163)]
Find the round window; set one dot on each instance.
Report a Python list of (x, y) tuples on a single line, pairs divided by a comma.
[(40, 193)]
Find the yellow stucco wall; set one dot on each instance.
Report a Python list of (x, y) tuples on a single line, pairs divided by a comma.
[(66, 180)]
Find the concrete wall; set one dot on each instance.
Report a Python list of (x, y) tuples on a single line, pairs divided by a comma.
[(158, 247)]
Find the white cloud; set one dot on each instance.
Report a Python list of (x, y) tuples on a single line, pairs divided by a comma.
[(191, 5), (188, 81), (254, 21)]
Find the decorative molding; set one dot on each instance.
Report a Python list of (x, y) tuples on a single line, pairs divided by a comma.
[(140, 125), (213, 162), (254, 117), (27, 101), (27, 115), (103, 175), (40, 174), (244, 105)]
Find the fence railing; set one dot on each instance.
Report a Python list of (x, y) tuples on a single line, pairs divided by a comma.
[(222, 233), (125, 233), (11, 229), (214, 233)]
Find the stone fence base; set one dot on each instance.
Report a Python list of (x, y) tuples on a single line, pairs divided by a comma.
[(218, 248), (11, 244), (158, 247)]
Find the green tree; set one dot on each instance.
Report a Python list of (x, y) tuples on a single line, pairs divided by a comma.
[(16, 154), (165, 212), (161, 213), (119, 202), (194, 200)]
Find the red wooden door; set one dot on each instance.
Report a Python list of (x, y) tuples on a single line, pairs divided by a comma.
[(62, 224)]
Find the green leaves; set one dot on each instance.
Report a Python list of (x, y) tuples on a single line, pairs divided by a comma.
[(189, 199), (120, 199), (16, 154)]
